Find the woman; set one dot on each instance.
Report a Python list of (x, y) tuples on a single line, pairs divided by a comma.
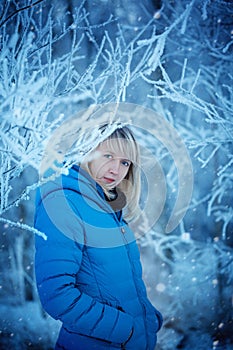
[(88, 270)]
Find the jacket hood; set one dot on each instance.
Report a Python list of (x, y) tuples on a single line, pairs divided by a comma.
[(77, 180), (76, 200)]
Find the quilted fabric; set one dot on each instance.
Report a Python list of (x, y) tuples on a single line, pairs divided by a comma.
[(88, 270)]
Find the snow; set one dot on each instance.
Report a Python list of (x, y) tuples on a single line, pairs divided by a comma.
[(60, 65), (192, 284), (26, 326)]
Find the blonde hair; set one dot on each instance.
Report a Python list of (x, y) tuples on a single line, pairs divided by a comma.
[(126, 144)]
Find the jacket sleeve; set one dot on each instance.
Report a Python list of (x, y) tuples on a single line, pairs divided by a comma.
[(57, 262)]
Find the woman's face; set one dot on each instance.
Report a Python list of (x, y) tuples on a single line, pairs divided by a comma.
[(108, 168)]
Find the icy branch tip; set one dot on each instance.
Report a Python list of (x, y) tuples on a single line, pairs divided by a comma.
[(23, 227)]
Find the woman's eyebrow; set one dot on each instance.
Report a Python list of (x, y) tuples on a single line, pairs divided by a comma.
[(128, 160), (124, 158), (115, 154)]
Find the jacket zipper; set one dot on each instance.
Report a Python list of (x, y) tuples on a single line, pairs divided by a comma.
[(138, 294)]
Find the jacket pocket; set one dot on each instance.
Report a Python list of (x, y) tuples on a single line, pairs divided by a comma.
[(160, 319), (120, 309), (88, 342), (123, 345), (106, 342)]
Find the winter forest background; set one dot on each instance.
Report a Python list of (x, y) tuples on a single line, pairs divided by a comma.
[(172, 56)]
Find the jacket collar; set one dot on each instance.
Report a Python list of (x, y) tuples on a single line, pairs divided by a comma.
[(84, 176)]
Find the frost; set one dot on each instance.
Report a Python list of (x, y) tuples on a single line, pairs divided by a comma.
[(188, 277), (22, 227), (57, 60)]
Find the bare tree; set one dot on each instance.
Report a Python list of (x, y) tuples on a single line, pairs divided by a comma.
[(175, 57)]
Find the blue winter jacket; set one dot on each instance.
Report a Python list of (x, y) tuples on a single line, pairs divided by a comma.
[(88, 271)]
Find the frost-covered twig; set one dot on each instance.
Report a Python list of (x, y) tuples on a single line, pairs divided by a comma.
[(23, 227)]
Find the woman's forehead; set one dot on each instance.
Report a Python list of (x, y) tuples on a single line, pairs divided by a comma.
[(118, 147)]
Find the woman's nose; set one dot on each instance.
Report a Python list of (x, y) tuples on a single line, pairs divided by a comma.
[(114, 167)]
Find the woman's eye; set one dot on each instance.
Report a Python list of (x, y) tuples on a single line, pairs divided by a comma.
[(108, 156), (126, 163)]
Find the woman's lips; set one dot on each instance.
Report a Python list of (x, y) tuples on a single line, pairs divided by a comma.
[(109, 180)]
